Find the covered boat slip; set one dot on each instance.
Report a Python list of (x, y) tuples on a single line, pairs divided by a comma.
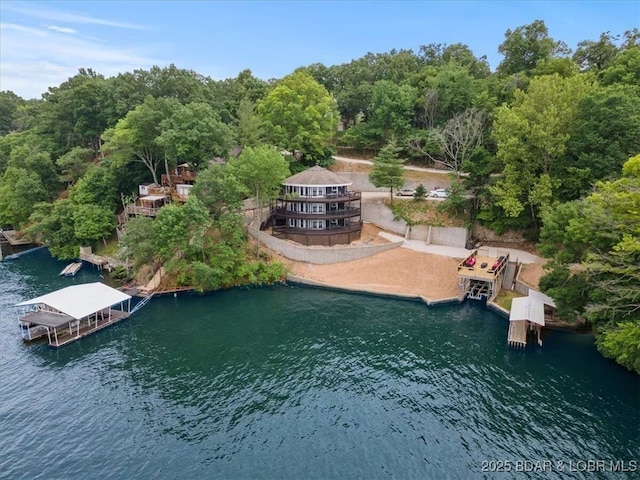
[(527, 317), (71, 313)]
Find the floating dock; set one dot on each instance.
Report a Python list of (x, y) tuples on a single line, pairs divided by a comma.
[(71, 269), (72, 313)]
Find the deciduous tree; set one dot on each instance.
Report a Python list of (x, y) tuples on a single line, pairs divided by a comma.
[(135, 137), (531, 134), (301, 116), (260, 170), (525, 46)]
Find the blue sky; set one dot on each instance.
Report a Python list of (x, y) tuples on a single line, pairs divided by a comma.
[(42, 43)]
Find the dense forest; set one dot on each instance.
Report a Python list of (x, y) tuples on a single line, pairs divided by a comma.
[(547, 144)]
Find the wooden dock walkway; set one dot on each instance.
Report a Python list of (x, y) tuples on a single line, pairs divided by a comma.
[(81, 329), (13, 238), (517, 336)]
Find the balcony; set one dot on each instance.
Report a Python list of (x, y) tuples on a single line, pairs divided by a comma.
[(328, 215), (284, 230), (331, 197)]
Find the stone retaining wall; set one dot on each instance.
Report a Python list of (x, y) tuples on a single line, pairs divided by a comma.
[(319, 255)]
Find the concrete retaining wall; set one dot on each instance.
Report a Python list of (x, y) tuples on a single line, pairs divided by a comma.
[(449, 236), (318, 254), (376, 212), (316, 284)]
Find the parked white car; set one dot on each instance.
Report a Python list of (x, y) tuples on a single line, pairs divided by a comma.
[(439, 193), (406, 192)]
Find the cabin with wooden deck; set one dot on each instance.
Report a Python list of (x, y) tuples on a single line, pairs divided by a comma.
[(481, 273), (147, 206), (316, 207), (73, 312)]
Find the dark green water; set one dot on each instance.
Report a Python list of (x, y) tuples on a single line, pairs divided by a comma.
[(290, 382)]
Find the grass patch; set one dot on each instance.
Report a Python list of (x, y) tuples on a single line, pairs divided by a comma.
[(425, 212), (505, 297), (110, 249)]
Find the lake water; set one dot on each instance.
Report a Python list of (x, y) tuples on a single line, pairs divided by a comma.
[(291, 382)]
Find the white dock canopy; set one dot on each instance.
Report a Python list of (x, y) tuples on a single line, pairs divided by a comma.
[(80, 301), (527, 308)]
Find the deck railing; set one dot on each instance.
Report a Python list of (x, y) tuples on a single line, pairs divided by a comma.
[(139, 210), (335, 197), (328, 215), (283, 229)]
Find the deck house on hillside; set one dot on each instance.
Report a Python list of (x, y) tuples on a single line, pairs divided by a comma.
[(316, 207), (147, 206), (73, 312), (180, 182), (481, 273)]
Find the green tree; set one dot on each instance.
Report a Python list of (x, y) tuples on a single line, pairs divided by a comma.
[(602, 232), (387, 170), (300, 116), (20, 190), (603, 137), (249, 129), (195, 134), (624, 68), (525, 46), (180, 229), (596, 55), (34, 159), (77, 112), (219, 190), (138, 241), (622, 344), (392, 109), (135, 137), (52, 224), (260, 170), (92, 222), (96, 187), (531, 134), (74, 164), (9, 104)]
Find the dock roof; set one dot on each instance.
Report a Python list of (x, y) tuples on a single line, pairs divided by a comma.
[(527, 308), (79, 301)]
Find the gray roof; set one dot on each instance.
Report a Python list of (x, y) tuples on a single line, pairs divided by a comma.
[(316, 176)]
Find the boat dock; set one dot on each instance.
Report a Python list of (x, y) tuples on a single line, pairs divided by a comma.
[(71, 269), (12, 237), (72, 313)]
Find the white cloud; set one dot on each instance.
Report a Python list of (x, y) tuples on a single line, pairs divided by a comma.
[(43, 12), (33, 59), (62, 29)]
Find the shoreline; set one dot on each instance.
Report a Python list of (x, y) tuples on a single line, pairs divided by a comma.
[(297, 280)]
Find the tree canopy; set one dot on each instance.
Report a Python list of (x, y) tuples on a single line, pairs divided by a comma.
[(301, 116)]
